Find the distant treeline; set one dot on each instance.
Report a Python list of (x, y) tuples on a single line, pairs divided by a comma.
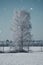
[(31, 43)]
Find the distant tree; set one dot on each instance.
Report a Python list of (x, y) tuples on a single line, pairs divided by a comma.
[(3, 45), (10, 44), (7, 42), (41, 45), (22, 29)]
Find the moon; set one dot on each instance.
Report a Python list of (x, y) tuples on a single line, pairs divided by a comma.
[(31, 8)]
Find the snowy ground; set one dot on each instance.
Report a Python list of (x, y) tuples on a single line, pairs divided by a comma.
[(34, 49), (34, 58), (22, 59)]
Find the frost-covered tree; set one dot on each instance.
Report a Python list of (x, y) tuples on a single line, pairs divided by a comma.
[(22, 29)]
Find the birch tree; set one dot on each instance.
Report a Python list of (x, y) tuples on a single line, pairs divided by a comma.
[(22, 29)]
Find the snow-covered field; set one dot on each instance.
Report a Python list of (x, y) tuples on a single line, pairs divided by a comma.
[(35, 58), (21, 58), (33, 49)]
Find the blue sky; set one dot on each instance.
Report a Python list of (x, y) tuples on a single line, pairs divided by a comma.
[(7, 9)]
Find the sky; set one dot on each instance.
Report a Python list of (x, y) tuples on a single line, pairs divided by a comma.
[(7, 9)]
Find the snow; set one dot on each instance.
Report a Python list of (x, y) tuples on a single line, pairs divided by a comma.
[(36, 49), (35, 58), (33, 49)]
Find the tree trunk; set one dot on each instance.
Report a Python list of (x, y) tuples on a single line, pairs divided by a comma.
[(3, 48)]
